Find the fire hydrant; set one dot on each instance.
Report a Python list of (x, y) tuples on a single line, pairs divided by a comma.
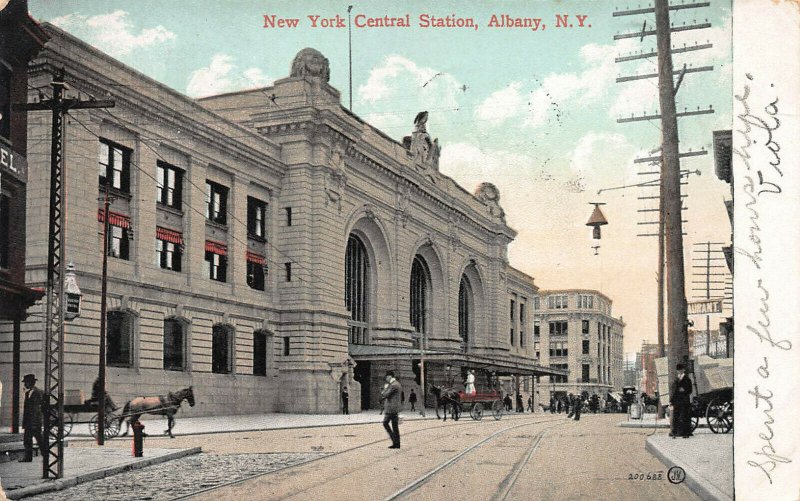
[(138, 439)]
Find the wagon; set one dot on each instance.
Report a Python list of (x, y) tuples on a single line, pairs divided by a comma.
[(477, 403), (75, 406), (717, 408)]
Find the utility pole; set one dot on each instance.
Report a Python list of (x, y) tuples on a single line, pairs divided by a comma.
[(53, 439), (671, 201), (670, 208), (101, 365), (350, 57)]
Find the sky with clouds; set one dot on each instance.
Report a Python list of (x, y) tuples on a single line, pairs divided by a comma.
[(534, 112)]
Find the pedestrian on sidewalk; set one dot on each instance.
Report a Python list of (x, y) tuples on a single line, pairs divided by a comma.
[(32, 417), (530, 403), (520, 405), (345, 400), (578, 405), (390, 395), (571, 405), (681, 405), (412, 399)]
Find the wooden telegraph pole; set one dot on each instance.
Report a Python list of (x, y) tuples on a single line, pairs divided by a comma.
[(671, 194)]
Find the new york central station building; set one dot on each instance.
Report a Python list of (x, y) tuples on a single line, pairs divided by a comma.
[(266, 246)]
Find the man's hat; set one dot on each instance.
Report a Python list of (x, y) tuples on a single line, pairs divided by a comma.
[(680, 367), (29, 377)]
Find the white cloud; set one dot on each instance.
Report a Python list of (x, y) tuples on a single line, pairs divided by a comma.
[(597, 154), (221, 76), (501, 105), (399, 74), (113, 33)]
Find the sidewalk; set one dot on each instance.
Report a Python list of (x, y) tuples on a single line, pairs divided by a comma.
[(155, 426), (81, 464), (706, 458)]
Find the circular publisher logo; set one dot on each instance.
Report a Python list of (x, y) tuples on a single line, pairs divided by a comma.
[(676, 475)]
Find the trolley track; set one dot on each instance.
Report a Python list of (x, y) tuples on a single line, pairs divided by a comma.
[(319, 483), (508, 482)]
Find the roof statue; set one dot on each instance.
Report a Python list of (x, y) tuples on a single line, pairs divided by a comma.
[(310, 63), (490, 196), (423, 149)]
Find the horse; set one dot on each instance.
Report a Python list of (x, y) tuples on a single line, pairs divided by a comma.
[(164, 405), (446, 397)]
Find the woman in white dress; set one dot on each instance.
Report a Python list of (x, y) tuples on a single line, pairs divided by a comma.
[(469, 384)]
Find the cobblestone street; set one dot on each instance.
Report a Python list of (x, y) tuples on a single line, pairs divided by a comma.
[(180, 478)]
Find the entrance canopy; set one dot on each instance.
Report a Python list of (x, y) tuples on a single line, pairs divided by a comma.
[(360, 352)]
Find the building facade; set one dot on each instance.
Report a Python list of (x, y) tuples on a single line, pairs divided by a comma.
[(268, 246), (20, 40), (574, 330)]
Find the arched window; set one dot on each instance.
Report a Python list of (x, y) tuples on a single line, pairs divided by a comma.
[(464, 310), (356, 290), (419, 294), (119, 338)]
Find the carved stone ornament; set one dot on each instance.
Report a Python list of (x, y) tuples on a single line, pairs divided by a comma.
[(490, 196), (310, 63), (336, 178), (369, 212), (424, 151)]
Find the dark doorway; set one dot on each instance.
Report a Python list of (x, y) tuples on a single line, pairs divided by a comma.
[(362, 375)]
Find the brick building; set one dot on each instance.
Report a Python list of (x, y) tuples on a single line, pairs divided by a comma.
[(20, 40), (575, 331), (268, 246)]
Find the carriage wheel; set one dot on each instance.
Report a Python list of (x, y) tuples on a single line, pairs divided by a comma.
[(497, 409), (68, 419), (477, 411), (110, 430), (719, 415), (694, 422)]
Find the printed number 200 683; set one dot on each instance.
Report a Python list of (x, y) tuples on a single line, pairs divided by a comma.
[(657, 475)]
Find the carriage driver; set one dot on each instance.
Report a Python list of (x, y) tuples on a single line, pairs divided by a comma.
[(110, 407), (469, 384)]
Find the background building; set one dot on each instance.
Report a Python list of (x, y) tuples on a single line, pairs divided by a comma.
[(268, 246), (574, 330), (20, 40)]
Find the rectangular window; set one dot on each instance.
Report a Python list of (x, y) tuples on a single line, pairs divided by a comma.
[(259, 353), (217, 261), (169, 185), (115, 165), (536, 303), (288, 216), (221, 349), (585, 373), (585, 326), (522, 325), (558, 328), (216, 202), (536, 329), (169, 249), (256, 218), (5, 229), (174, 345), (119, 339), (585, 346), (288, 268), (513, 315), (286, 350), (5, 102), (119, 236), (255, 271)]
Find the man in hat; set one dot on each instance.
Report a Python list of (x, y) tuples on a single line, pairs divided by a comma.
[(31, 417), (681, 405), (390, 395)]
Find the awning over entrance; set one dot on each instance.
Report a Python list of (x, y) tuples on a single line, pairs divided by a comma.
[(361, 352)]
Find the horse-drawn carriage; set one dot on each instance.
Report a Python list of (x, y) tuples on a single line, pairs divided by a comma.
[(477, 403), (714, 393), (165, 405)]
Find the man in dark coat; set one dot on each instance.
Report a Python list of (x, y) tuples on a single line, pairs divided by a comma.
[(390, 395), (412, 399), (679, 394), (578, 404), (345, 399), (32, 417)]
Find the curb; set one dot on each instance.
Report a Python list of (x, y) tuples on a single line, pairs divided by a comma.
[(694, 480), (416, 417), (60, 484)]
